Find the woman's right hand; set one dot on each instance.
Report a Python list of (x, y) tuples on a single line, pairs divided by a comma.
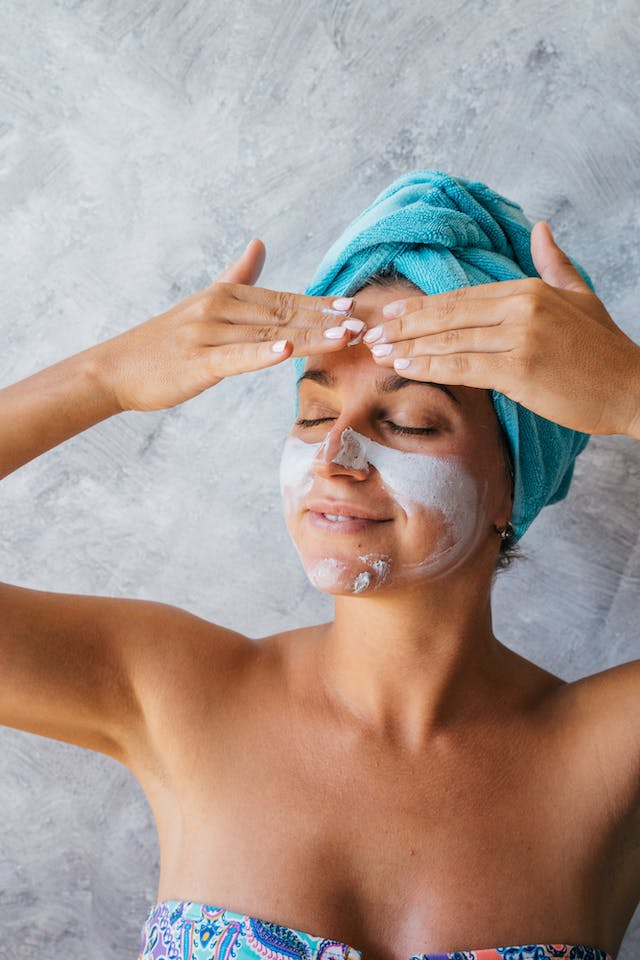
[(225, 329)]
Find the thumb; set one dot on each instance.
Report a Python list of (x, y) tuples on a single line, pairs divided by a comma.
[(248, 267), (551, 262)]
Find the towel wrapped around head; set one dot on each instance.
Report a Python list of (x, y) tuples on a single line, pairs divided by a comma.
[(441, 233)]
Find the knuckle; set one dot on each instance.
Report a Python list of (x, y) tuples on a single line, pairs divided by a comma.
[(460, 363), (412, 304), (533, 301), (394, 328), (307, 337), (200, 308), (268, 332), (450, 338), (446, 309), (260, 331), (533, 285), (282, 307), (222, 288)]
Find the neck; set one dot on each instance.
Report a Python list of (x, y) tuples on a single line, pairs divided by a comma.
[(402, 664)]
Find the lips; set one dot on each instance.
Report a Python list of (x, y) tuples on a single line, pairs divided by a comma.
[(343, 509)]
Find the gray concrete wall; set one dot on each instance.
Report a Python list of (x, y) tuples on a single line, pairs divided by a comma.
[(142, 145)]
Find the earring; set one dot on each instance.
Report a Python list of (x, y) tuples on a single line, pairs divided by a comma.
[(506, 532)]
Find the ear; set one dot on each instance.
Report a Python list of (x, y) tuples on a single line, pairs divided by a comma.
[(552, 263), (249, 265)]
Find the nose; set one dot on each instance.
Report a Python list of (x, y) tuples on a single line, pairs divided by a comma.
[(342, 452)]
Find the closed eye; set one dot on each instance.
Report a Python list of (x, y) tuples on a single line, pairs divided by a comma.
[(394, 426)]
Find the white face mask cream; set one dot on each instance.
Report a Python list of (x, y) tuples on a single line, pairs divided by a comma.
[(436, 494)]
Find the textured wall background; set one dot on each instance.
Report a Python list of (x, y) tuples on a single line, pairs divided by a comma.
[(142, 145)]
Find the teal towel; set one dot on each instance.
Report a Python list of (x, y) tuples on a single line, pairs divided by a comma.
[(443, 232)]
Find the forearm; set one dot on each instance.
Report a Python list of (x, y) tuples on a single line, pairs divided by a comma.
[(51, 406), (632, 389)]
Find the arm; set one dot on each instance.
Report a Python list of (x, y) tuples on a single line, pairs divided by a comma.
[(58, 662), (89, 670), (49, 407), (80, 668)]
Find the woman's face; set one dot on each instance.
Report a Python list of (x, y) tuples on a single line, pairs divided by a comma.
[(432, 495)]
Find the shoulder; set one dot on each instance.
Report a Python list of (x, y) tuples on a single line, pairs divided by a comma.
[(177, 664), (611, 700), (160, 633), (603, 713), (94, 671), (606, 708)]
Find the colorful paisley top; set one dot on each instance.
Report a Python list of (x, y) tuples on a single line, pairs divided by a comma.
[(183, 930)]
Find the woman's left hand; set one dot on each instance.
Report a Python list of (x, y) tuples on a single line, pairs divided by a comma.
[(547, 343)]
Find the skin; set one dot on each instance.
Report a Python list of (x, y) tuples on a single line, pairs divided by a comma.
[(395, 683), (434, 790)]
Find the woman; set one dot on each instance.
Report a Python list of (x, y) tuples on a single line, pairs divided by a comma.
[(395, 782)]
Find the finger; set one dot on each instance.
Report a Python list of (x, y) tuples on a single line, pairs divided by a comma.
[(488, 371), (552, 263), (232, 358), (286, 304), (495, 339), (449, 300), (469, 314), (304, 340), (248, 266), (282, 313)]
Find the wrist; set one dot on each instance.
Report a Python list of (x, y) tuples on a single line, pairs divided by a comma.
[(98, 365)]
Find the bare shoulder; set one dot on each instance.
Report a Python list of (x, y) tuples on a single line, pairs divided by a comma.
[(95, 671), (611, 699), (179, 665), (604, 710)]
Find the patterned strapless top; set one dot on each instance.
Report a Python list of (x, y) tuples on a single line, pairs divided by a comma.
[(183, 930)]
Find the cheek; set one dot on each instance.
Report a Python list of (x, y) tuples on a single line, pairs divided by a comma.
[(296, 472), (428, 485), (444, 506)]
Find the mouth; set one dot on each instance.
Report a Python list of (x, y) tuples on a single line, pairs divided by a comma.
[(341, 523)]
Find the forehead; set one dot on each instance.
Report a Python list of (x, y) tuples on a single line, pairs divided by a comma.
[(370, 300), (368, 305), (354, 369)]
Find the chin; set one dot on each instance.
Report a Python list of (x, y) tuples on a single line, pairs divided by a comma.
[(353, 577)]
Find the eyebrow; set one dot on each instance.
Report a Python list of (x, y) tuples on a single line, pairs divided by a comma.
[(390, 384)]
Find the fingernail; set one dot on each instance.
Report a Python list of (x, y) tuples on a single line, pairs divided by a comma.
[(395, 309), (343, 303), (401, 364), (356, 325), (382, 349), (373, 334), (279, 346), (334, 333)]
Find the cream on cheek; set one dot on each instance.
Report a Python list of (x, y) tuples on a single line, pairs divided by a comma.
[(439, 488)]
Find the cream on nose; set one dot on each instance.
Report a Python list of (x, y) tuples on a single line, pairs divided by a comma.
[(347, 449)]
